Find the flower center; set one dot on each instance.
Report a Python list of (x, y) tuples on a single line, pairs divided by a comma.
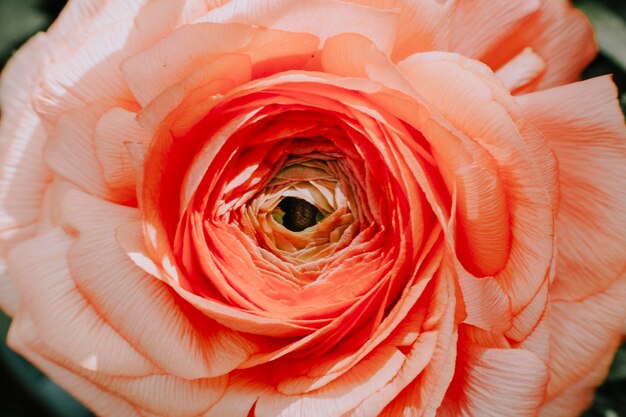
[(298, 214)]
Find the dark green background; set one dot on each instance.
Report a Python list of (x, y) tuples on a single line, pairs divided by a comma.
[(25, 392)]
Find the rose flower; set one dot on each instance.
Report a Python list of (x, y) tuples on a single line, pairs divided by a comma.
[(314, 208)]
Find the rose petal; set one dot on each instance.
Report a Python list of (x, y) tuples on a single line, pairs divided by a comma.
[(527, 200)]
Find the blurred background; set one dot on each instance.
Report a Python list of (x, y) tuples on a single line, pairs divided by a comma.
[(25, 392)]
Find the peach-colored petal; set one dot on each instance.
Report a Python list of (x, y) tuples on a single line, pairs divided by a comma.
[(114, 131), (423, 395), (340, 396), (322, 18), (486, 304), (420, 24), (155, 394), (62, 313), (24, 339), (582, 332), (420, 380), (577, 398), (545, 161), (82, 17), (84, 75), (405, 317), (528, 317), (496, 131), (353, 55), (240, 397), (87, 55), (166, 66), (521, 70), (9, 299), (433, 25), (141, 306), (92, 40), (584, 127), (487, 22), (561, 35), (70, 150), (538, 341), (494, 383), (23, 174)]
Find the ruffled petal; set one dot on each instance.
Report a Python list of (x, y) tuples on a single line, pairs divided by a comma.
[(62, 313), (143, 308), (24, 339), (582, 334), (161, 395), (24, 175), (561, 35), (583, 125), (494, 383), (322, 18)]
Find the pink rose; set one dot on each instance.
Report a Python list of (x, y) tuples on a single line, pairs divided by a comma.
[(314, 208)]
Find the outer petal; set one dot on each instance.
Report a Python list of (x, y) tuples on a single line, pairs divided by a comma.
[(142, 308), (420, 384), (477, 25), (559, 34), (9, 300), (494, 383), (160, 395), (323, 18), (432, 25), (419, 27), (577, 397), (583, 334), (521, 70), (23, 173), (495, 130), (585, 128), (68, 323), (23, 338)]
